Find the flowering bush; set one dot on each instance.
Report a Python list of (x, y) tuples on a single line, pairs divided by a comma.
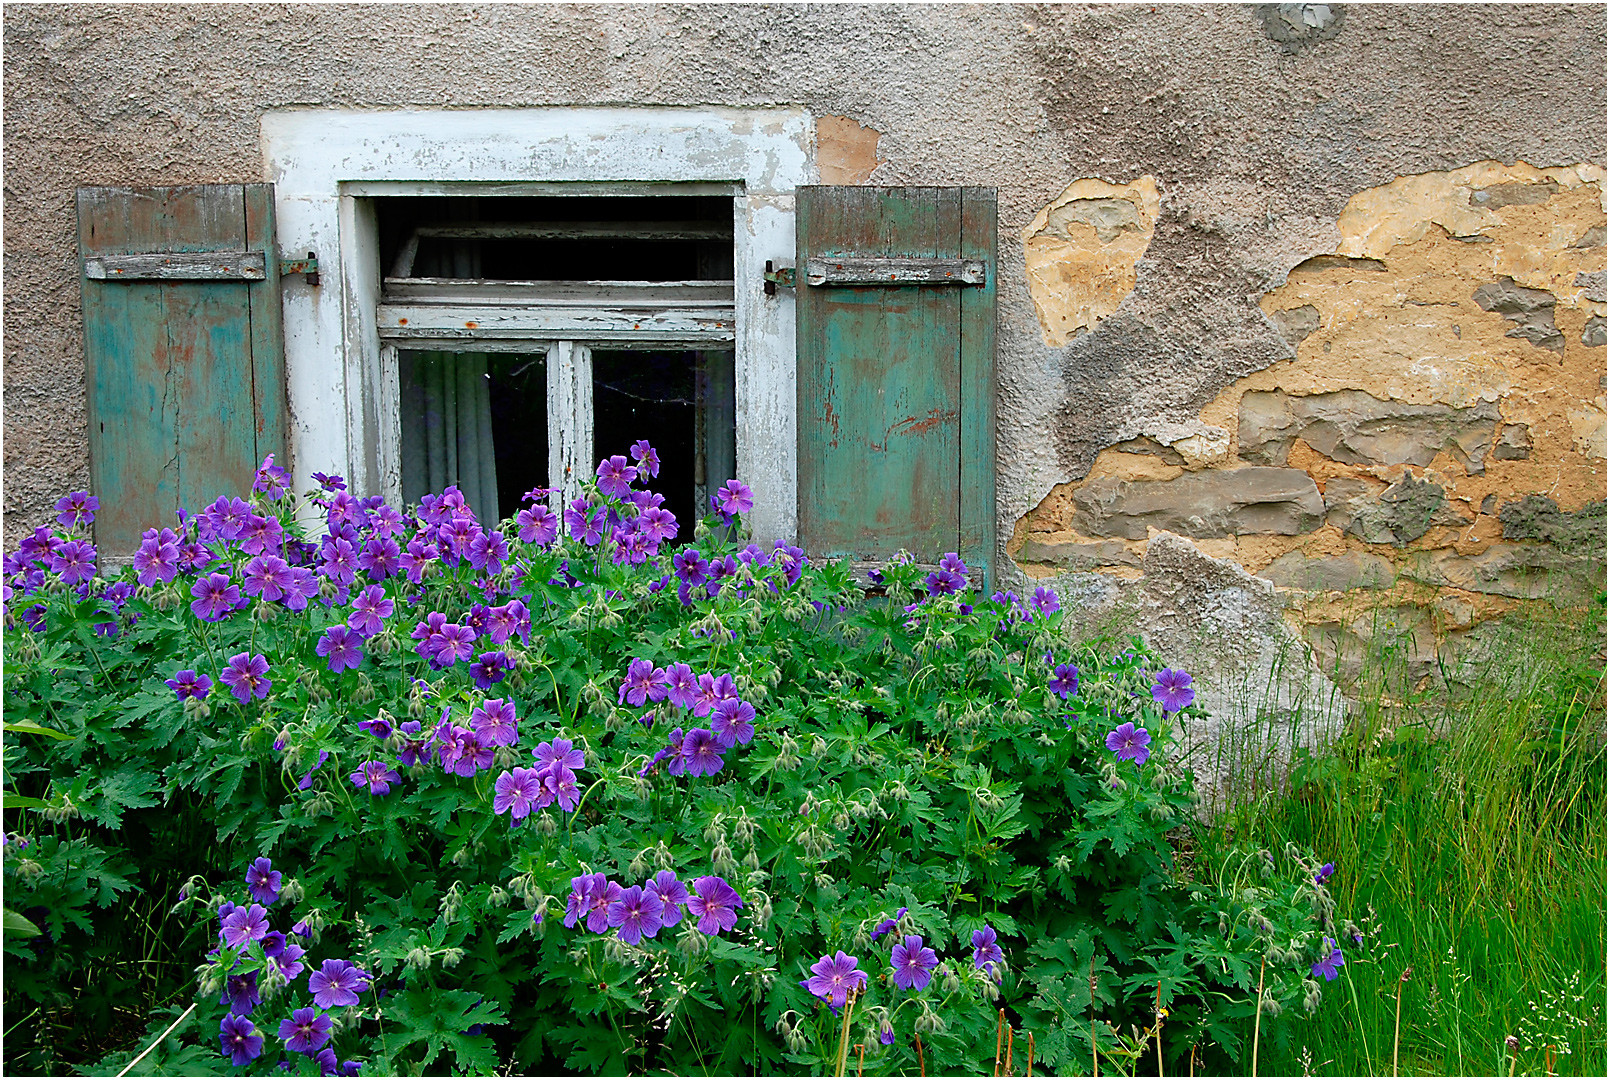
[(552, 795)]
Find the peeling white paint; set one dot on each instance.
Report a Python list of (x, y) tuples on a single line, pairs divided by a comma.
[(321, 162)]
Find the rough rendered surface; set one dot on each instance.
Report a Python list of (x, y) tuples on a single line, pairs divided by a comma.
[(1231, 244)]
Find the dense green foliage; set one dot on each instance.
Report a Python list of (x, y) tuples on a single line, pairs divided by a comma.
[(911, 762), (1466, 816)]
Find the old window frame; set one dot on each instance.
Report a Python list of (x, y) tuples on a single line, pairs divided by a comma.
[(328, 167)]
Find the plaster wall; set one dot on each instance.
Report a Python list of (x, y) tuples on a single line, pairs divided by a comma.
[(1185, 165)]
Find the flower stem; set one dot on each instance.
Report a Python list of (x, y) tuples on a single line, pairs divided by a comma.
[(1257, 1018)]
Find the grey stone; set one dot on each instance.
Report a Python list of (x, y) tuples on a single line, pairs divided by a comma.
[(1593, 282), (1295, 26), (1514, 443), (1346, 497), (1531, 310), (1523, 571), (1262, 696), (1212, 503), (1516, 193), (1330, 573), (1593, 332), (1145, 445), (1403, 513), (1296, 323), (1076, 556), (1402, 638), (1593, 238), (1356, 428), (1538, 517)]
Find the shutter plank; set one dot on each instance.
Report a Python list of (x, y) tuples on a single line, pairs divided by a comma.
[(978, 495), (183, 375), (879, 378)]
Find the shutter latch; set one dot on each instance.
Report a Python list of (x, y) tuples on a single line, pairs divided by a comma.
[(308, 266), (774, 278)]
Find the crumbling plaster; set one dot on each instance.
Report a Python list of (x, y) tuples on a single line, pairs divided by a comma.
[(1255, 151)]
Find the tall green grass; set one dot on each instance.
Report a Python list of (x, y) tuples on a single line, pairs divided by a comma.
[(1466, 817)]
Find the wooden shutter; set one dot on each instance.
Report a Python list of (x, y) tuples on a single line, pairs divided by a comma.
[(896, 383), (184, 360)]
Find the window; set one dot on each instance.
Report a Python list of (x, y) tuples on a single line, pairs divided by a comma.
[(491, 308), (354, 186)]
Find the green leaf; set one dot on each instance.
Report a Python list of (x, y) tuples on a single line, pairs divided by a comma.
[(31, 727), (16, 924)]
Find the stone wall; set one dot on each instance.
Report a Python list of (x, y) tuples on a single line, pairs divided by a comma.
[(1430, 451)]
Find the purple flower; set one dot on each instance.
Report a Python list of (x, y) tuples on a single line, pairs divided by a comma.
[(240, 1040), (241, 994), (158, 557), (74, 561), (581, 897), (263, 881), (414, 749), (732, 721), (377, 776), (888, 924), (1325, 873), (833, 978), (986, 953), (1127, 742), (288, 957), (380, 557), (1045, 601), (690, 566), (559, 784), (1327, 965), (371, 606), (344, 647), (604, 893), (337, 983), (672, 895), (307, 777), (658, 525), (77, 509), (215, 597), (637, 914), (702, 752), (488, 552), (305, 1031), (378, 726), (680, 685), (268, 576), (734, 497), (246, 676), (1065, 681), (715, 904), (538, 525), (561, 752), (886, 1033), (271, 480), (244, 924), (188, 684), (711, 691), (489, 669), (494, 721), (913, 963), (648, 462), (585, 522), (615, 476), (945, 582), (517, 791), (1172, 690), (331, 482)]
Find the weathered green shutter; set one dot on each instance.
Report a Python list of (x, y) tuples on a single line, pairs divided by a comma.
[(184, 360), (896, 323)]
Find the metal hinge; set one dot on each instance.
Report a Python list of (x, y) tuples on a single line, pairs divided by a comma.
[(308, 266), (774, 278)]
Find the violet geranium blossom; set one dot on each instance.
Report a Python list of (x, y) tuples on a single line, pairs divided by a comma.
[(672, 893), (636, 914), (187, 684), (263, 881), (1065, 681), (343, 646), (337, 983), (834, 978), (305, 1031), (615, 476), (246, 675), (1172, 690), (244, 924), (377, 776), (1327, 964), (987, 953), (516, 793), (715, 904), (240, 1040), (913, 963), (1129, 743)]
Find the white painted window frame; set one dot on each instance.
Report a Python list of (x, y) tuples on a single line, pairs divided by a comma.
[(328, 166)]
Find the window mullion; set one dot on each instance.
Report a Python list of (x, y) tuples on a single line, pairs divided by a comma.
[(570, 419)]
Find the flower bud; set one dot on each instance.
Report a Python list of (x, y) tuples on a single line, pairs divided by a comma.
[(546, 825), (638, 867), (451, 957), (418, 959), (292, 891), (948, 980)]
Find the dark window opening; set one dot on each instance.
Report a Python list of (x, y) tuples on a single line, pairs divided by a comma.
[(477, 420)]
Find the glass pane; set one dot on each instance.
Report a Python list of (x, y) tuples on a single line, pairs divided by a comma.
[(475, 420), (682, 403)]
